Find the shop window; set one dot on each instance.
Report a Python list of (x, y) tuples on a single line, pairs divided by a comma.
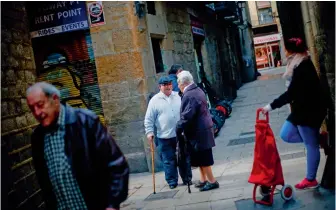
[(151, 7), (156, 45)]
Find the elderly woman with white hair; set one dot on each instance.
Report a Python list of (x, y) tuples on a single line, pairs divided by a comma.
[(197, 126)]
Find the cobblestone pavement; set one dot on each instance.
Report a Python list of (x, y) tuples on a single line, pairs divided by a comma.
[(233, 156)]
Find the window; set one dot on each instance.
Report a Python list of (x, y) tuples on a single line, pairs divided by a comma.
[(151, 7), (263, 4), (157, 55), (265, 16)]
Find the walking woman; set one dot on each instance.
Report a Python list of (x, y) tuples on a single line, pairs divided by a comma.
[(308, 103)]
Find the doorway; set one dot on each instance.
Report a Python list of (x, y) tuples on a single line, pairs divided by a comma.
[(199, 58)]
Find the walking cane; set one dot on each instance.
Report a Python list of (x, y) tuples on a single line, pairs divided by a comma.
[(152, 151)]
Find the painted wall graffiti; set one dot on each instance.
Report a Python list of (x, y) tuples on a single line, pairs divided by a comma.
[(68, 63)]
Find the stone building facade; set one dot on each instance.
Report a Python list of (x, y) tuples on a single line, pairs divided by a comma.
[(110, 69)]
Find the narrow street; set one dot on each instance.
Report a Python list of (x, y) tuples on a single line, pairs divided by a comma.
[(110, 56), (233, 162)]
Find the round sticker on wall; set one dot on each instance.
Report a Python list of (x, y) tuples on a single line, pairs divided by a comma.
[(95, 9)]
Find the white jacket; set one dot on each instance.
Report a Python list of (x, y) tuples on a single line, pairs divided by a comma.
[(163, 112)]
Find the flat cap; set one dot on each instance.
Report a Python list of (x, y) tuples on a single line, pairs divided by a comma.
[(164, 80)]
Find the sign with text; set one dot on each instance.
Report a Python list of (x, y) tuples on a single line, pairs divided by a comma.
[(196, 26), (96, 13), (268, 38), (196, 30), (47, 18)]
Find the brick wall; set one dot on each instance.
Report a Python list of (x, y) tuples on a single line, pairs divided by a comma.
[(17, 122)]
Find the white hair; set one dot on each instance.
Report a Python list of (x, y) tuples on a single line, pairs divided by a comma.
[(48, 89), (185, 77)]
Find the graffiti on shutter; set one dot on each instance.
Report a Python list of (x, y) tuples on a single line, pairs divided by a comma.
[(67, 61)]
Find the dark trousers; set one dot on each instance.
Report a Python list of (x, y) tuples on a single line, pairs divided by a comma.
[(167, 148)]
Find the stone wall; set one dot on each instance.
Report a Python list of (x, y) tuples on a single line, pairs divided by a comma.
[(211, 58), (17, 72), (118, 51), (179, 29)]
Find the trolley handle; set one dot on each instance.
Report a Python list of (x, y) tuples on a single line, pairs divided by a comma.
[(264, 120)]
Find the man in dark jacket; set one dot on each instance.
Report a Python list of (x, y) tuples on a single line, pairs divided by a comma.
[(196, 124), (78, 164), (175, 69)]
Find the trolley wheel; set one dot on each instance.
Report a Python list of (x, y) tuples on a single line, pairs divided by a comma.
[(264, 191), (287, 192)]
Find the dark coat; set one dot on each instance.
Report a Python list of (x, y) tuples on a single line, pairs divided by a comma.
[(97, 162), (196, 122), (305, 94)]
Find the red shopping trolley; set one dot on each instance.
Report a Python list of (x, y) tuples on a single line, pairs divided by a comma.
[(267, 169)]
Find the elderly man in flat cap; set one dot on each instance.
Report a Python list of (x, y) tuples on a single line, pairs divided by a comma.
[(163, 112)]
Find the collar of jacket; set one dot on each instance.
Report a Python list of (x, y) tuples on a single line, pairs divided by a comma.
[(70, 116), (191, 87)]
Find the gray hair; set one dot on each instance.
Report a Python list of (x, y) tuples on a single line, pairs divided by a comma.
[(48, 89), (185, 77)]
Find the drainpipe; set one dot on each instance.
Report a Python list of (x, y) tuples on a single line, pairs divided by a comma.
[(309, 33)]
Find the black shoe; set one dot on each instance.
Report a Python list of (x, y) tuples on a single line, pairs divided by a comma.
[(186, 183), (200, 184), (210, 186), (173, 186)]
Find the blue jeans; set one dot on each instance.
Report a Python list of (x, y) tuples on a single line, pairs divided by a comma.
[(167, 148), (310, 137)]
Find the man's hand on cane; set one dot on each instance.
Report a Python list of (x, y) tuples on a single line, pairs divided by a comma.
[(150, 138)]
